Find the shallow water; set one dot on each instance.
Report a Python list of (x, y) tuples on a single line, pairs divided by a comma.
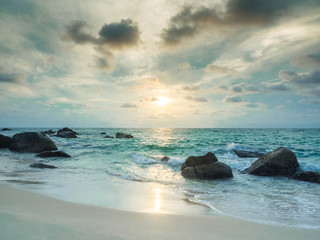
[(128, 173)]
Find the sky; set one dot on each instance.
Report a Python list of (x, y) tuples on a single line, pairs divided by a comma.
[(160, 63)]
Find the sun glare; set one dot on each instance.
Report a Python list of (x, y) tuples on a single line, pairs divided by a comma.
[(162, 101)]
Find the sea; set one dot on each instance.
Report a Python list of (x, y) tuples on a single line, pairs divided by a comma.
[(128, 174)]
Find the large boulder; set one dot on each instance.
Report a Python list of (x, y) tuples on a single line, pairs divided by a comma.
[(248, 154), (205, 167), (5, 141), (41, 165), (122, 135), (5, 129), (307, 176), (66, 133), (35, 142), (53, 154), (280, 162)]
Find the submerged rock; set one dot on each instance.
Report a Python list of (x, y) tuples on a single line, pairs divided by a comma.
[(107, 136), (66, 133), (53, 154), (41, 165), (6, 129), (5, 141), (248, 154), (165, 159), (280, 162), (122, 135), (205, 167), (48, 132), (103, 133), (35, 142), (307, 176)]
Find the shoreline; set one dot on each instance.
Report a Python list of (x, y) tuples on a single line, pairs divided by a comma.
[(28, 215)]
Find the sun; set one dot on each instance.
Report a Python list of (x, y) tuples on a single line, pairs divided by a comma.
[(162, 101)]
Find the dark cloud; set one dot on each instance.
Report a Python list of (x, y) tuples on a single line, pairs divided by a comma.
[(190, 21), (277, 86), (115, 35), (196, 99), (305, 80), (10, 77), (256, 11), (129, 105), (233, 99), (237, 89), (123, 34), (75, 32), (120, 35), (103, 63)]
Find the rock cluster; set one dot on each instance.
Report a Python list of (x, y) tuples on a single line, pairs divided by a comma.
[(122, 135)]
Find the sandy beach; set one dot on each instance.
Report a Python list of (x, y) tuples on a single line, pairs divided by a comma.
[(26, 215)]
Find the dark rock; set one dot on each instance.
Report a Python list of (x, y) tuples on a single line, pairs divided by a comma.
[(32, 142), (280, 162), (6, 129), (248, 154), (49, 132), (53, 154), (66, 133), (41, 165), (307, 176), (5, 141), (165, 159), (205, 167), (122, 135), (103, 133), (199, 160), (189, 172), (107, 136)]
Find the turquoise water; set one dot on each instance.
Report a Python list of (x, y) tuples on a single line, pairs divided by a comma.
[(128, 173)]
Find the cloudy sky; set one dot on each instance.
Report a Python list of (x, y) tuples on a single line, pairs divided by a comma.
[(160, 63)]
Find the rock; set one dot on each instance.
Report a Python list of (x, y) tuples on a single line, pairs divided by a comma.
[(122, 135), (165, 159), (189, 172), (193, 161), (6, 129), (53, 154), (41, 165), (205, 167), (35, 142), (66, 133), (103, 133), (248, 154), (5, 141), (307, 176), (49, 132), (280, 162), (107, 136)]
